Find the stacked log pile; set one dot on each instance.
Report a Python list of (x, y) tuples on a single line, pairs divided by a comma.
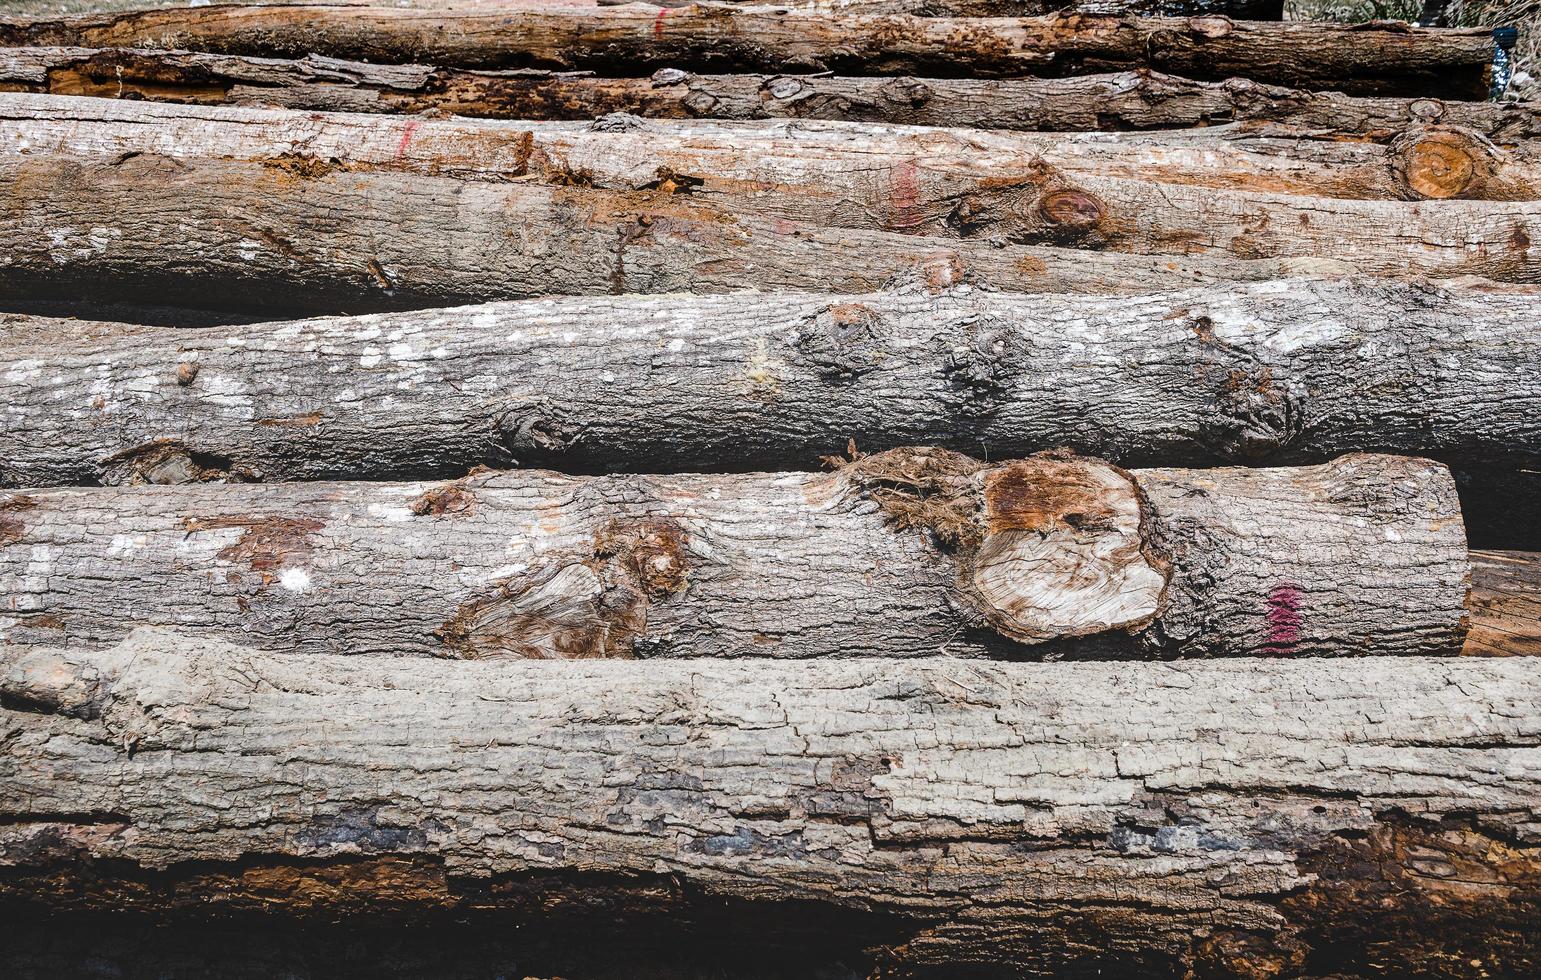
[(919, 487)]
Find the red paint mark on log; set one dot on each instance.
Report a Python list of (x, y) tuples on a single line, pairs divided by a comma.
[(1284, 618), (406, 138), (904, 195), (658, 20)]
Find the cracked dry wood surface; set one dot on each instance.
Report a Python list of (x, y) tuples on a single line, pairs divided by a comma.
[(1223, 815), (1123, 100), (1391, 59), (1224, 192), (890, 556), (1291, 371)]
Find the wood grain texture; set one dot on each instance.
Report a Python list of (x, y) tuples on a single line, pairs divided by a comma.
[(1247, 817), (912, 552), (1374, 59), (1134, 100), (1288, 371), (1505, 604)]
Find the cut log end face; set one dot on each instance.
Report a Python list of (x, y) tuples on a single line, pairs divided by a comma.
[(1049, 547), (1063, 552), (1440, 163)]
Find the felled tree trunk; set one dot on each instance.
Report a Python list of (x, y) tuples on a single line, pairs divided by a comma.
[(1286, 371), (1236, 817), (1389, 59), (1122, 101), (905, 553), (988, 187), (935, 181), (1505, 604), (291, 236), (1239, 9)]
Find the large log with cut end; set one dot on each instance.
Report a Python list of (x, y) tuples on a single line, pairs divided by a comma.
[(1368, 59), (1120, 101), (905, 553), (261, 180), (1287, 371), (1241, 818)]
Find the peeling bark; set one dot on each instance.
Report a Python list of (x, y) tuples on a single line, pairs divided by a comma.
[(1227, 194), (906, 553), (1136, 100), (1238, 819), (1288, 371), (1377, 58)]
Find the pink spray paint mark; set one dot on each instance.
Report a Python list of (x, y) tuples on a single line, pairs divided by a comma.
[(406, 138), (904, 195), (658, 21), (1284, 618)]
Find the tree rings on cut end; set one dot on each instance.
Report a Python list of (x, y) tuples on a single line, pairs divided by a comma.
[(1439, 163), (1062, 553)]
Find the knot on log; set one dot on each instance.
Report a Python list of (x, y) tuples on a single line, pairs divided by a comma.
[(986, 355), (586, 606), (1048, 547), (1071, 215), (166, 462), (843, 340), (1441, 162), (1252, 416), (536, 428)]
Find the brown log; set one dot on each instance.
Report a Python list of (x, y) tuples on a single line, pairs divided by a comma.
[(900, 554), (927, 176), (1386, 59), (1122, 101), (1239, 819), (339, 212), (1505, 604)]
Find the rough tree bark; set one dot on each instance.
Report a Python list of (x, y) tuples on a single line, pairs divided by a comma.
[(1286, 371), (1125, 100), (292, 236), (1235, 819), (303, 199), (1372, 59), (897, 554), (927, 180)]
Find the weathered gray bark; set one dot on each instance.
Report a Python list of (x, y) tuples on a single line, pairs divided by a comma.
[(1223, 817), (1368, 59), (292, 236), (950, 182), (1288, 371), (899, 554), (1126, 100)]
